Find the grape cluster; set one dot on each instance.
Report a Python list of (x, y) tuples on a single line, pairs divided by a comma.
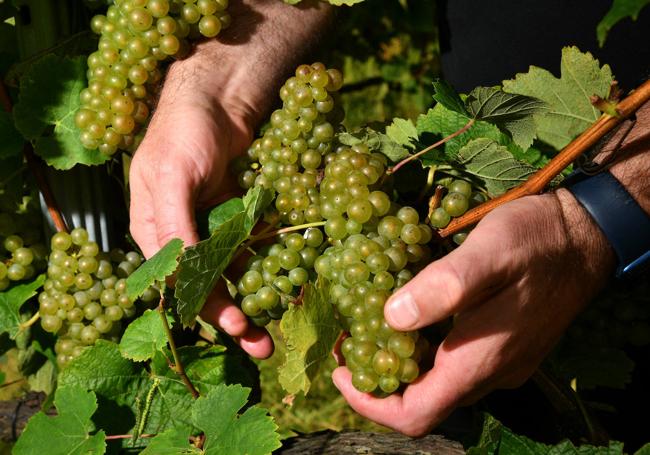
[(460, 197), (336, 223), (289, 155), (84, 296), (135, 36), (22, 255), (376, 247)]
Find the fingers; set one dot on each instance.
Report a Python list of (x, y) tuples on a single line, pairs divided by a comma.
[(424, 404), (257, 342), (448, 285), (223, 314)]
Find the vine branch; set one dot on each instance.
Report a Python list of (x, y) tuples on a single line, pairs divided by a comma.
[(178, 366), (538, 181), (35, 168)]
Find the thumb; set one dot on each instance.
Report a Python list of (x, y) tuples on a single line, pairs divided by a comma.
[(448, 285), (174, 210)]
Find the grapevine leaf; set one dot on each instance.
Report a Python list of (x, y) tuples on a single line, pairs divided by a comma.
[(376, 142), (49, 97), (228, 431), (568, 98), (513, 113), (497, 438), (171, 442), (44, 379), (224, 212), (309, 330), (12, 300), (442, 121), (12, 141), (144, 337), (447, 96), (402, 131), (494, 165), (620, 10), (156, 269), (645, 450), (67, 433), (123, 385), (203, 263)]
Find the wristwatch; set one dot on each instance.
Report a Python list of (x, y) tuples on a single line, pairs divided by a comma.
[(625, 224)]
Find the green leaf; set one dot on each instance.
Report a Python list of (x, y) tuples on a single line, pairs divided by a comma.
[(171, 442), (376, 142), (67, 433), (443, 122), (252, 432), (496, 438), (123, 385), (12, 142), (224, 212), (12, 300), (645, 450), (494, 165), (447, 96), (568, 98), (310, 331), (49, 97), (44, 379), (156, 269), (619, 10), (513, 113), (402, 131), (144, 337), (203, 263)]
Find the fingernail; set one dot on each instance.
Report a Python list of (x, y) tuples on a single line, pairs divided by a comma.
[(402, 311)]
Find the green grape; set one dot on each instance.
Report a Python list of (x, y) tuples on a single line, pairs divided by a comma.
[(23, 256), (298, 276), (388, 384), (365, 381), (13, 243), (16, 272), (92, 310), (460, 186), (402, 345), (51, 323), (455, 204), (250, 305), (89, 335), (114, 313), (439, 218), (251, 281), (267, 298)]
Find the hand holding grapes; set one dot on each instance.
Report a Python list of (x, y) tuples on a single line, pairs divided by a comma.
[(209, 106), (513, 287)]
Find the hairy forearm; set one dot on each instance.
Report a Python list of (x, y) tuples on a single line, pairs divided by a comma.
[(242, 67)]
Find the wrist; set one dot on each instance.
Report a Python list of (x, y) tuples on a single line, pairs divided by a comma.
[(590, 248)]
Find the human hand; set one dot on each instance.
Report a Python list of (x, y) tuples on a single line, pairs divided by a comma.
[(181, 166), (513, 287)]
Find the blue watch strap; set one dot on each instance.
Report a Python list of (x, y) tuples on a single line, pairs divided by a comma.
[(625, 224)]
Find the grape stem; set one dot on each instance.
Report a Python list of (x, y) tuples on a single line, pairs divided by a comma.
[(538, 181), (266, 235), (178, 366), (127, 436), (35, 168), (410, 158), (30, 322)]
